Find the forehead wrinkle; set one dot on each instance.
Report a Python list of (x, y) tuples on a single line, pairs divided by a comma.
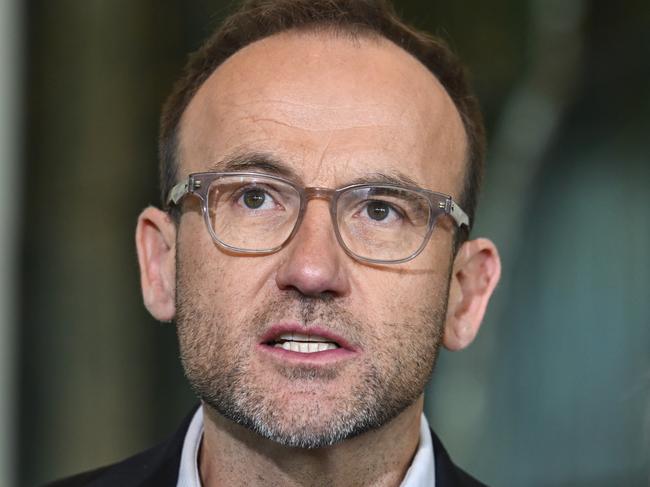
[(302, 104), (321, 166), (320, 129), (312, 117)]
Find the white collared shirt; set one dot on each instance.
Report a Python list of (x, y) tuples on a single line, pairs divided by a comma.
[(421, 473)]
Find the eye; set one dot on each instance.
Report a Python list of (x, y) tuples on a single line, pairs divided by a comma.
[(378, 210), (254, 198), (381, 211)]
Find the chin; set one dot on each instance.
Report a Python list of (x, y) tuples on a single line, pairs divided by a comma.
[(306, 416), (305, 424)]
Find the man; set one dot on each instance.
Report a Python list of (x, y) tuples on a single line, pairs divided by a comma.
[(320, 164)]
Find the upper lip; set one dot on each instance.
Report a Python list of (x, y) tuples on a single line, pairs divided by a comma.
[(275, 331)]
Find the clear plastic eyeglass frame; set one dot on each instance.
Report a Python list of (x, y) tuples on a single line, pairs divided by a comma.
[(198, 184)]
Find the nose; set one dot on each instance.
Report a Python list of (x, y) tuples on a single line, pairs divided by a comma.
[(313, 263)]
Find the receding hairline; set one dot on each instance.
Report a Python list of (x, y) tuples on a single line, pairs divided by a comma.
[(357, 36)]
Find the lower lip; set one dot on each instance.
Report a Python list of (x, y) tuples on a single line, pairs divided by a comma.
[(324, 357)]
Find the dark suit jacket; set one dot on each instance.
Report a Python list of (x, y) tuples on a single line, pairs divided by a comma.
[(158, 467)]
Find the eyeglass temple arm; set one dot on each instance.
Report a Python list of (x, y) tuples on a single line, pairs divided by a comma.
[(177, 193), (457, 213)]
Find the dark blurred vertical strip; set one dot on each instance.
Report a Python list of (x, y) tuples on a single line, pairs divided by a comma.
[(98, 377)]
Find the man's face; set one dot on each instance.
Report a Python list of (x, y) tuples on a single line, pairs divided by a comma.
[(332, 110)]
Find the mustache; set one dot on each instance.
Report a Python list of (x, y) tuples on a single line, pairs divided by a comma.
[(325, 311)]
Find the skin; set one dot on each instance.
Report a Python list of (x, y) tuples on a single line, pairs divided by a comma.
[(332, 109)]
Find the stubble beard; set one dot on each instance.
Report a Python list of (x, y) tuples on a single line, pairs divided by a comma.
[(386, 383)]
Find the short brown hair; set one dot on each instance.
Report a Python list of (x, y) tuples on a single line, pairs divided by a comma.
[(257, 19)]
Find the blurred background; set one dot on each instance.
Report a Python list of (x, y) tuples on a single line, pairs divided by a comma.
[(556, 389)]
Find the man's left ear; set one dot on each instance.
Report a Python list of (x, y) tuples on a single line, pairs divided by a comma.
[(476, 272)]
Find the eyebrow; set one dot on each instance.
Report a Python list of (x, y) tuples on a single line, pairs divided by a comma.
[(267, 163), (255, 161), (394, 177)]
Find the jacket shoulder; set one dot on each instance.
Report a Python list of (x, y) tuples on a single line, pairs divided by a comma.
[(448, 474), (156, 467)]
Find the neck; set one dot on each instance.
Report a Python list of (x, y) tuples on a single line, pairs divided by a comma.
[(233, 455)]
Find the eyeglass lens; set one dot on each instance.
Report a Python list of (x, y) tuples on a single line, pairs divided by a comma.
[(255, 213)]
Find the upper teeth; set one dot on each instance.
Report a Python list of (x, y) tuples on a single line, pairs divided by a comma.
[(298, 337), (297, 342)]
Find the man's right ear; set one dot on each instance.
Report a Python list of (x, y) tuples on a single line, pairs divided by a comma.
[(155, 240)]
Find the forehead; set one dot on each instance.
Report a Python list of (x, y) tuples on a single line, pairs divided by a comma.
[(332, 107)]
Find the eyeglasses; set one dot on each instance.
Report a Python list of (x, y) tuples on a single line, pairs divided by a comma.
[(252, 213)]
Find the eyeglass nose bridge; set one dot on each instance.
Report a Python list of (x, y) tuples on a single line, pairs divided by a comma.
[(316, 192), (332, 195)]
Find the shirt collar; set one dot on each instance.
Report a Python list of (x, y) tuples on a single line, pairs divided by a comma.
[(188, 474), (420, 473)]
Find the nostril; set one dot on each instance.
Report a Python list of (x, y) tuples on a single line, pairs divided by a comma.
[(313, 271), (309, 279)]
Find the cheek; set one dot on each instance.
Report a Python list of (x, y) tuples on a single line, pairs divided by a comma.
[(201, 278), (216, 283), (403, 303), (208, 303)]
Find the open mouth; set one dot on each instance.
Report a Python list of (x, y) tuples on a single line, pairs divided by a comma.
[(298, 342)]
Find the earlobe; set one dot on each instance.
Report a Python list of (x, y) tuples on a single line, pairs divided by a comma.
[(476, 272), (155, 240)]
